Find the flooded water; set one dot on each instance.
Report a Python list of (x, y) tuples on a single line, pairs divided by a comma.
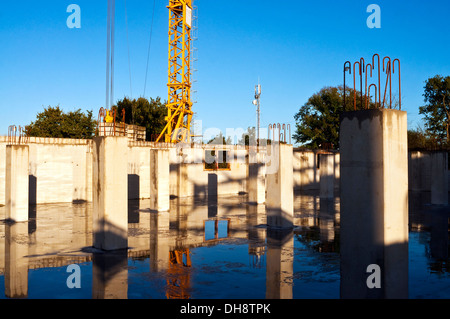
[(204, 250)]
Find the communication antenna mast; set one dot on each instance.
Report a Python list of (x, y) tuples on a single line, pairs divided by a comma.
[(257, 102)]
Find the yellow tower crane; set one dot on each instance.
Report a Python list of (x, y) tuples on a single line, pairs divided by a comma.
[(179, 104)]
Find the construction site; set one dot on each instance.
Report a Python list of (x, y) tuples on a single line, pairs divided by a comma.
[(176, 219)]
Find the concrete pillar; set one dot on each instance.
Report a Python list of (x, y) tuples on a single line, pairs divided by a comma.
[(280, 264), (326, 175), (16, 182), (159, 180), (110, 193), (439, 178), (280, 188), (16, 262), (256, 178), (89, 172), (374, 203)]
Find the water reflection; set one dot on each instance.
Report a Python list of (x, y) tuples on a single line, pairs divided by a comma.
[(16, 263), (280, 264), (110, 275), (206, 249)]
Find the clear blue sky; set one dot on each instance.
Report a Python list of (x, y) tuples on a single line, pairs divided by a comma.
[(295, 48)]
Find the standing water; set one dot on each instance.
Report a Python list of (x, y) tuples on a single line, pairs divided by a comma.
[(204, 250)]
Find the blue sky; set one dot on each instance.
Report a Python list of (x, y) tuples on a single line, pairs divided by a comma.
[(294, 48)]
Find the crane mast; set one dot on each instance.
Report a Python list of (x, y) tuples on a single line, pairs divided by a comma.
[(179, 103)]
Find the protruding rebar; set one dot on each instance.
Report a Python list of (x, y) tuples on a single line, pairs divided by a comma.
[(368, 103), (346, 68), (388, 79), (399, 82), (379, 76)]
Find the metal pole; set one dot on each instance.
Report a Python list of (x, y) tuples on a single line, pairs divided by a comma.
[(258, 110), (259, 122)]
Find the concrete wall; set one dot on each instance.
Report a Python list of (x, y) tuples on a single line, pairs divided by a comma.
[(307, 171), (60, 169)]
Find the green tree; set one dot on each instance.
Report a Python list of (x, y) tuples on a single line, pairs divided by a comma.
[(317, 122), (53, 122), (143, 112), (436, 111), (419, 140), (220, 140), (248, 136)]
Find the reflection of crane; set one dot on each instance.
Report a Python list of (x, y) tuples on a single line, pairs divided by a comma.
[(179, 104), (179, 279)]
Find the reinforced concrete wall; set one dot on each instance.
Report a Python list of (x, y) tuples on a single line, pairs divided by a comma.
[(307, 169), (60, 171)]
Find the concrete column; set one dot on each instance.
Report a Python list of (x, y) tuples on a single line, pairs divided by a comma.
[(326, 175), (439, 178), (159, 180), (280, 264), (256, 178), (110, 193), (89, 172), (16, 262), (280, 188), (374, 203), (17, 182)]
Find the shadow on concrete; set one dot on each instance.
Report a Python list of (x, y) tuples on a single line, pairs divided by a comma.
[(109, 237), (212, 195), (363, 243), (133, 186), (133, 211), (32, 189)]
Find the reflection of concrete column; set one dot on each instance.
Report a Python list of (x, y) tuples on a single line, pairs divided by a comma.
[(159, 241), (280, 190), (280, 264), (374, 202), (16, 264), (256, 235), (16, 189), (110, 275), (326, 175), (439, 178), (439, 231), (80, 224), (326, 220), (110, 193), (159, 180)]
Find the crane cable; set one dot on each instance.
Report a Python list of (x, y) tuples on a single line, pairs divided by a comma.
[(128, 45), (149, 47)]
